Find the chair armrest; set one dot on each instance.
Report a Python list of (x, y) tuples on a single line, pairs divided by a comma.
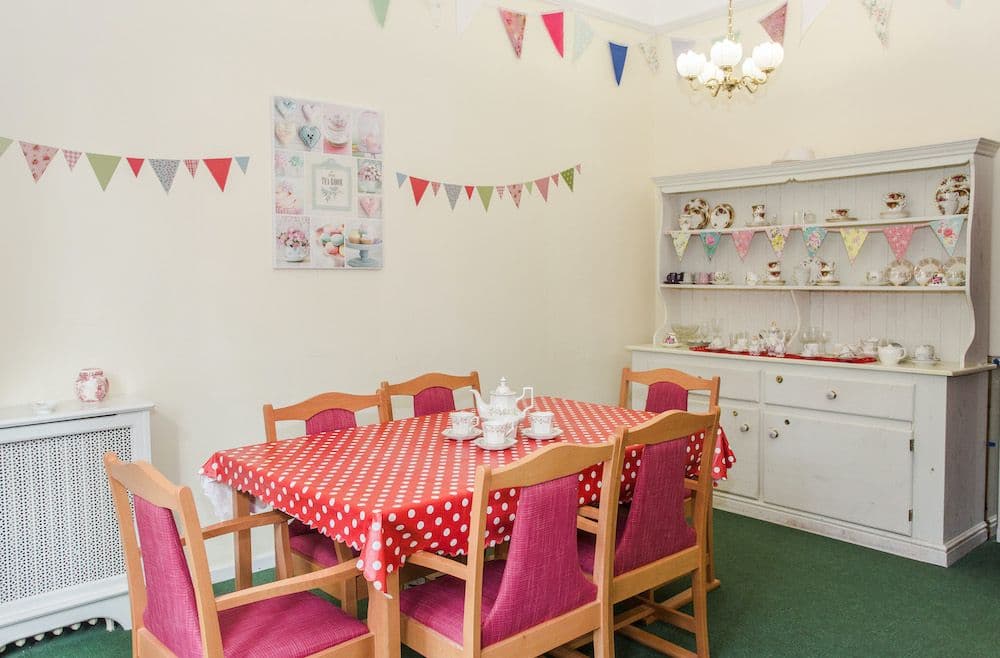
[(587, 525), (590, 512), (302, 583), (439, 563), (244, 523)]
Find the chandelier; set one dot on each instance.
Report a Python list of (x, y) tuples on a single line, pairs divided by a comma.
[(717, 73)]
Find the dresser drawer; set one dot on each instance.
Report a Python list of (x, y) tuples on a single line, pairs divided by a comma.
[(840, 394)]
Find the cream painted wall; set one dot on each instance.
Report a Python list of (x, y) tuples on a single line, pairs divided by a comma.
[(175, 295), (840, 92)]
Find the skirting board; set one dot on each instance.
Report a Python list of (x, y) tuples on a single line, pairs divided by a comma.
[(942, 555)]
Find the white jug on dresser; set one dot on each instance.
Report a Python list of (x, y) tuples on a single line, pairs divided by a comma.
[(503, 405)]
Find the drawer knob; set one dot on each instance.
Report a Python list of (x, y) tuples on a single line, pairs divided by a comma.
[(773, 434), (831, 395), (779, 379), (744, 427)]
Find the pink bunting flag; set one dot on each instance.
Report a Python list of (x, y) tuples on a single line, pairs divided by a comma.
[(38, 157), (500, 191), (774, 23), (192, 166), (419, 186), (554, 24), (898, 238), (555, 179), (435, 186), (515, 193), (72, 157), (135, 164), (514, 23), (742, 240), (579, 169), (543, 187)]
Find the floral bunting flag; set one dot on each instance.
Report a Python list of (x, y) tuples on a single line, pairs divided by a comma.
[(452, 190), (774, 23), (419, 186), (554, 25), (567, 175), (72, 157), (219, 168), (38, 158), (4, 143), (878, 12), (711, 241), (947, 232), (680, 239), (165, 170), (500, 191), (813, 236), (380, 8), (400, 179), (104, 167), (898, 238), (135, 164), (853, 239), (514, 23), (192, 166), (619, 53), (435, 186), (649, 51), (583, 34), (485, 194), (777, 236), (515, 193), (543, 187), (243, 161), (742, 240)]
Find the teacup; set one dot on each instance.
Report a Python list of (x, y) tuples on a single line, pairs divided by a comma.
[(703, 278), (774, 269), (759, 213), (875, 277), (463, 422), (924, 353), (721, 278), (718, 343), (671, 339), (751, 278), (756, 346), (810, 349), (955, 278), (495, 432), (894, 201), (947, 202), (541, 422), (869, 346), (890, 355), (840, 213)]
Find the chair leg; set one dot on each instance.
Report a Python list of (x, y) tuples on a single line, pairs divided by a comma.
[(348, 597), (700, 603)]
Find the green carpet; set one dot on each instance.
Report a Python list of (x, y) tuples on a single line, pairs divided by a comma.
[(784, 593)]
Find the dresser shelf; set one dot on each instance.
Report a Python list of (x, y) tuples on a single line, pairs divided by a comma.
[(829, 226)]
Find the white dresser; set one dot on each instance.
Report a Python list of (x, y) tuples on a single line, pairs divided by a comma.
[(61, 561)]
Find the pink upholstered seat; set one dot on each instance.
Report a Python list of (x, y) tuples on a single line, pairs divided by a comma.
[(540, 579), (308, 624), (433, 400)]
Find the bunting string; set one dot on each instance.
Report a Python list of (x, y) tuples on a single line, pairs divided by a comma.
[(486, 193)]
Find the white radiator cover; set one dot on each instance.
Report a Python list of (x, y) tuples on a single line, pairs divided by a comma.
[(61, 561)]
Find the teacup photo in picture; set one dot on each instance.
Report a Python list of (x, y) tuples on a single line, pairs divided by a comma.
[(291, 235)]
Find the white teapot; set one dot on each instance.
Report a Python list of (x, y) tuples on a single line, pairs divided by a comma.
[(503, 404)]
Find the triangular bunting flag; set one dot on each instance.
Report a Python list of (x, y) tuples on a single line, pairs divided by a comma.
[(742, 240), (435, 186), (583, 34), (567, 175), (530, 186), (104, 167), (243, 161), (4, 143), (165, 170), (878, 12), (514, 23), (853, 239), (555, 179), (419, 186), (543, 187), (380, 8), (554, 24), (711, 241), (947, 232), (618, 55), (400, 179), (681, 239), (515, 193), (579, 168), (192, 166), (469, 189), (452, 191), (777, 236), (135, 164), (464, 11), (813, 236), (898, 238), (485, 194), (774, 23), (651, 53), (500, 191), (219, 168), (811, 9), (679, 47), (72, 157), (38, 158)]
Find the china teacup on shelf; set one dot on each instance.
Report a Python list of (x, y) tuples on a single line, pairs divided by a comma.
[(721, 278), (876, 278), (759, 213), (924, 353), (894, 203), (810, 349), (869, 346), (751, 278)]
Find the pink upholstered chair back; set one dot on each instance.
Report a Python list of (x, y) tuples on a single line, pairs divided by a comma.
[(171, 611), (330, 420), (542, 578), (656, 526), (666, 396), (433, 400)]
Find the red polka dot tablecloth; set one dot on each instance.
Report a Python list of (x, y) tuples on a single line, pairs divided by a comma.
[(390, 490)]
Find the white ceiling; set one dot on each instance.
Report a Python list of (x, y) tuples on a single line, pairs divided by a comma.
[(662, 15)]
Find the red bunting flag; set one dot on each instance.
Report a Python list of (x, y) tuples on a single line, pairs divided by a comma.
[(419, 186), (554, 25), (469, 189), (219, 168), (192, 166), (543, 186), (135, 164)]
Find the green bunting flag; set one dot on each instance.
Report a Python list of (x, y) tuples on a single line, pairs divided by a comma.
[(104, 167), (4, 143), (381, 8), (485, 194), (530, 186), (567, 175)]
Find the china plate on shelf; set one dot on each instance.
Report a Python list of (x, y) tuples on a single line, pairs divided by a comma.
[(904, 267), (455, 436), (927, 269), (541, 437), (876, 285), (509, 443)]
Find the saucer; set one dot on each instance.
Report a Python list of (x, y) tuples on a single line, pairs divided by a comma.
[(834, 220), (821, 282), (773, 282), (875, 285), (454, 436), (541, 437), (925, 362), (479, 443), (727, 282)]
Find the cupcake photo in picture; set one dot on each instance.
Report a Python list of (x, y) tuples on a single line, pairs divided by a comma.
[(288, 197), (363, 241), (369, 176), (337, 127)]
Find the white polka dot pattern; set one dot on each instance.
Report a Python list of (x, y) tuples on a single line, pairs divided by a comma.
[(393, 489)]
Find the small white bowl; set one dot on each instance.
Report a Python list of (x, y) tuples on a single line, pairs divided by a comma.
[(43, 407)]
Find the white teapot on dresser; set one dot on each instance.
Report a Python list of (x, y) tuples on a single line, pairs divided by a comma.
[(503, 405)]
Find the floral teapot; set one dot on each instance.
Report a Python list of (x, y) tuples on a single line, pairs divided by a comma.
[(503, 403)]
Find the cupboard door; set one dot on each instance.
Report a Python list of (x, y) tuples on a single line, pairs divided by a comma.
[(861, 473), (742, 427)]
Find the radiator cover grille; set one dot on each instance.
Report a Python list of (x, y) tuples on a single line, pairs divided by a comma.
[(57, 519)]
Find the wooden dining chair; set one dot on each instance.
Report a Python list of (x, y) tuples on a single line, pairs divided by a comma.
[(174, 611), (668, 390), (432, 393), (654, 544), (536, 599), (311, 550)]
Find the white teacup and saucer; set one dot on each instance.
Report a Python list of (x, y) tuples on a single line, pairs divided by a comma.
[(542, 427), (924, 355), (496, 435), (464, 426)]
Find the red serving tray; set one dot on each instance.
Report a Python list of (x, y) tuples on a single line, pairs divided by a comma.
[(831, 359)]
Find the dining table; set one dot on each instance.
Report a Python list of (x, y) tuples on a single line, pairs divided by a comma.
[(389, 490)]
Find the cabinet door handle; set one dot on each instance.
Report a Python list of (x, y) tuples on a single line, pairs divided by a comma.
[(831, 395), (773, 434), (744, 427)]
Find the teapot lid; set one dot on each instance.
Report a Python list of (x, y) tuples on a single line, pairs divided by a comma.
[(503, 388)]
